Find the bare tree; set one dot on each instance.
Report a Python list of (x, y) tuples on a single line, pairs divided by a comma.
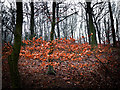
[(32, 19), (13, 58), (112, 25), (50, 68), (91, 25)]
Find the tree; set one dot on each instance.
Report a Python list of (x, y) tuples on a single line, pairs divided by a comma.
[(57, 10), (117, 31), (88, 30), (13, 58), (32, 19), (8, 22), (91, 25), (112, 24), (50, 67), (106, 29)]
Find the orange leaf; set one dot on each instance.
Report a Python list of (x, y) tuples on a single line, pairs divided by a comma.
[(33, 63), (73, 66), (81, 74), (79, 59), (91, 34), (83, 37), (20, 54), (60, 38), (43, 64), (93, 65), (88, 54), (33, 38), (84, 49)]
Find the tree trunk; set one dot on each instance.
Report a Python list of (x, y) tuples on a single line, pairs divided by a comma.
[(112, 24), (99, 37), (71, 31), (14, 57), (88, 27), (117, 29), (58, 20), (50, 67), (41, 28), (108, 30), (91, 25), (32, 20)]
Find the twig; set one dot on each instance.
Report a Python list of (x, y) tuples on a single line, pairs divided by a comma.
[(66, 17)]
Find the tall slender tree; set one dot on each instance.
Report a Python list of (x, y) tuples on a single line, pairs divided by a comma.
[(14, 57), (88, 30), (57, 10), (91, 25), (50, 67), (32, 19), (112, 24), (117, 31)]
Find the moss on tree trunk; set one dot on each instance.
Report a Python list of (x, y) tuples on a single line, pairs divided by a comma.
[(91, 25)]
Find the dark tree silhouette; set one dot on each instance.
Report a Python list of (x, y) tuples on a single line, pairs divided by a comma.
[(32, 19), (112, 24), (50, 68), (91, 25), (13, 58)]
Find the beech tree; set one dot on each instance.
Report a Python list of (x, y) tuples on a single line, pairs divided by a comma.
[(91, 25), (50, 68), (57, 10), (32, 19), (14, 57), (112, 24)]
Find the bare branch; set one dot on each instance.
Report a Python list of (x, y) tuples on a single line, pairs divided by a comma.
[(82, 5), (97, 4), (103, 16), (66, 17), (9, 29)]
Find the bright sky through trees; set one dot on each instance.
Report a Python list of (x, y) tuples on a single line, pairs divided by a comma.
[(73, 6)]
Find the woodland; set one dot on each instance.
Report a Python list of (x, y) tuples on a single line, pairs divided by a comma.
[(60, 44)]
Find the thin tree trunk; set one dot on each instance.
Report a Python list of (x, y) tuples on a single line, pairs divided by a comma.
[(58, 20), (117, 29), (50, 67), (99, 37), (112, 24), (32, 19), (48, 31), (108, 32), (88, 29)]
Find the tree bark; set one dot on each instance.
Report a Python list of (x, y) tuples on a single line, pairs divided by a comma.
[(88, 27), (58, 20), (112, 24), (99, 37), (117, 29), (32, 20), (108, 32), (50, 67), (91, 25), (14, 57)]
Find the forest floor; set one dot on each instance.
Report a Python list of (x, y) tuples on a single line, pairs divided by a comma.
[(96, 75)]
